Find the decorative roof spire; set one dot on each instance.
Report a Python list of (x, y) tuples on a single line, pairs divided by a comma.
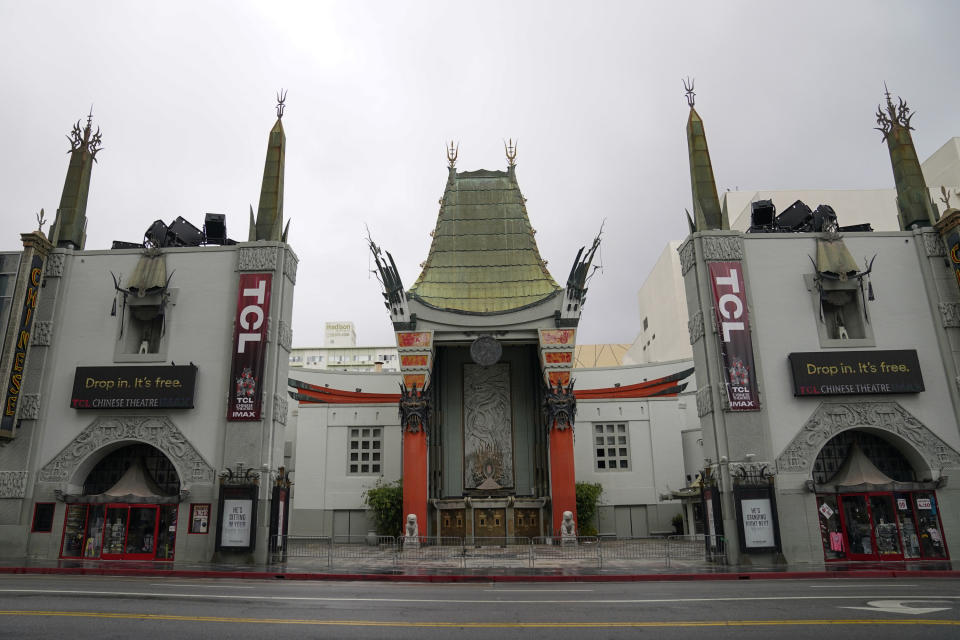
[(452, 153), (707, 213), (510, 147), (269, 221), (69, 225), (915, 208)]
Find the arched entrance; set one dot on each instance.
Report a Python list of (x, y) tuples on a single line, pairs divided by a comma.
[(872, 506), (127, 509)]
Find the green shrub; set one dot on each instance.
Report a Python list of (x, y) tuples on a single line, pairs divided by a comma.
[(588, 495), (385, 501)]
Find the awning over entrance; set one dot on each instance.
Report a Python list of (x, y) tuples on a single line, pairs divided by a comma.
[(134, 487), (859, 474)]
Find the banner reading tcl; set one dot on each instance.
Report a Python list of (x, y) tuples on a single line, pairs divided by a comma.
[(249, 347), (733, 323)]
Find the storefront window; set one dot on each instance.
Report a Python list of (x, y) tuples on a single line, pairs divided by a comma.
[(884, 525), (94, 532), (73, 531), (166, 532), (831, 529), (116, 530), (928, 525), (908, 528), (857, 522)]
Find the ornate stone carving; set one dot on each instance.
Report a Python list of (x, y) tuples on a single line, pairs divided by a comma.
[(751, 472), (704, 401), (414, 409), (258, 259), (560, 406), (54, 265), (13, 484), (158, 431), (279, 408), (290, 263), (933, 244), (688, 257), (42, 333), (831, 418), (487, 427), (285, 335), (950, 312), (695, 326), (29, 406), (486, 350), (722, 248)]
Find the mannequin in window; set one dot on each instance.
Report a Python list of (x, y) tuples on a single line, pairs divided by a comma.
[(841, 328)]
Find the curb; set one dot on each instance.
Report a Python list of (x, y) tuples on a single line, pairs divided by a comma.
[(466, 578)]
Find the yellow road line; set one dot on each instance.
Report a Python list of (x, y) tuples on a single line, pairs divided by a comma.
[(483, 625)]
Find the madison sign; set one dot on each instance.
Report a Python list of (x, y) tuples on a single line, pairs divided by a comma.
[(249, 347), (733, 322), (134, 387), (855, 372)]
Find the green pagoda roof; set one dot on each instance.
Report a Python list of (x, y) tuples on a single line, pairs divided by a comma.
[(484, 258)]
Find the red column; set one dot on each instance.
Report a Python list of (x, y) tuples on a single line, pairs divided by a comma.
[(415, 479), (562, 491)]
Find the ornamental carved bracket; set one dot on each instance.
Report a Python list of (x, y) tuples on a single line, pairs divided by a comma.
[(832, 418), (414, 409), (54, 267), (752, 473), (560, 406), (157, 431), (258, 258), (42, 333), (933, 244), (688, 257), (290, 263), (13, 484), (704, 401), (723, 248), (695, 327), (950, 314)]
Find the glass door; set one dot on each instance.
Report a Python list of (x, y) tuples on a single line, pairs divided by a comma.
[(856, 527), (141, 533)]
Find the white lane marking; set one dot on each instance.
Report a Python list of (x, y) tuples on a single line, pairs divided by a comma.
[(900, 606), (852, 586), (538, 590), (200, 586), (450, 601)]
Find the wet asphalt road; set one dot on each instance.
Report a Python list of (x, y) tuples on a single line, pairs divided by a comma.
[(81, 607)]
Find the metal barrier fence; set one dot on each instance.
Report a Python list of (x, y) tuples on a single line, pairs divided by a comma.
[(502, 552)]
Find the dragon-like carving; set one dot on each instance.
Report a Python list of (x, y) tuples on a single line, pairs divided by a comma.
[(560, 406), (414, 409)]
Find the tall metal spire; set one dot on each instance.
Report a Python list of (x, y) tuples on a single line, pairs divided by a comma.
[(915, 208), (69, 228), (269, 220), (707, 213)]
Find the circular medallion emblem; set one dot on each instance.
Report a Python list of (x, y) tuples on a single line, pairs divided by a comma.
[(486, 351)]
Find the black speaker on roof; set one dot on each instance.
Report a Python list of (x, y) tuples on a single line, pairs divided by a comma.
[(795, 217), (762, 213), (120, 244), (215, 228), (181, 233), (155, 235)]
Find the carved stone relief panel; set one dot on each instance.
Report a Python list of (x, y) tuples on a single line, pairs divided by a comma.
[(695, 326), (54, 265), (704, 401), (723, 248), (285, 337), (42, 333), (280, 408), (258, 258), (688, 257), (13, 484), (831, 418), (933, 244), (158, 431), (290, 266), (29, 406), (487, 427), (950, 313)]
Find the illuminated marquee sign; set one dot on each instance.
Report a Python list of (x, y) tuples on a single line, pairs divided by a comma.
[(21, 343), (249, 347), (733, 323)]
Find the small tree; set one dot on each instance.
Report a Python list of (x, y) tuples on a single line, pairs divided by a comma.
[(385, 500), (588, 495)]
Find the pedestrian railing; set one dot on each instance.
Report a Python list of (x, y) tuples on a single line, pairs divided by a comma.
[(501, 551)]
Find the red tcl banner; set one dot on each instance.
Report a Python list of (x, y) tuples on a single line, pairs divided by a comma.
[(733, 324), (249, 347)]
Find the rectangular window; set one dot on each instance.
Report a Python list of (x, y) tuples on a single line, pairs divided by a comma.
[(611, 450), (43, 517), (365, 451)]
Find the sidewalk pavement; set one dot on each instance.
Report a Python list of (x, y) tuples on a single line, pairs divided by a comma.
[(560, 571)]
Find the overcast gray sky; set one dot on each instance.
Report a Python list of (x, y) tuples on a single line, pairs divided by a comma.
[(184, 95)]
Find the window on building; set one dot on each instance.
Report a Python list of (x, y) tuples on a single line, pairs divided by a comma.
[(365, 451), (43, 517), (611, 447)]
